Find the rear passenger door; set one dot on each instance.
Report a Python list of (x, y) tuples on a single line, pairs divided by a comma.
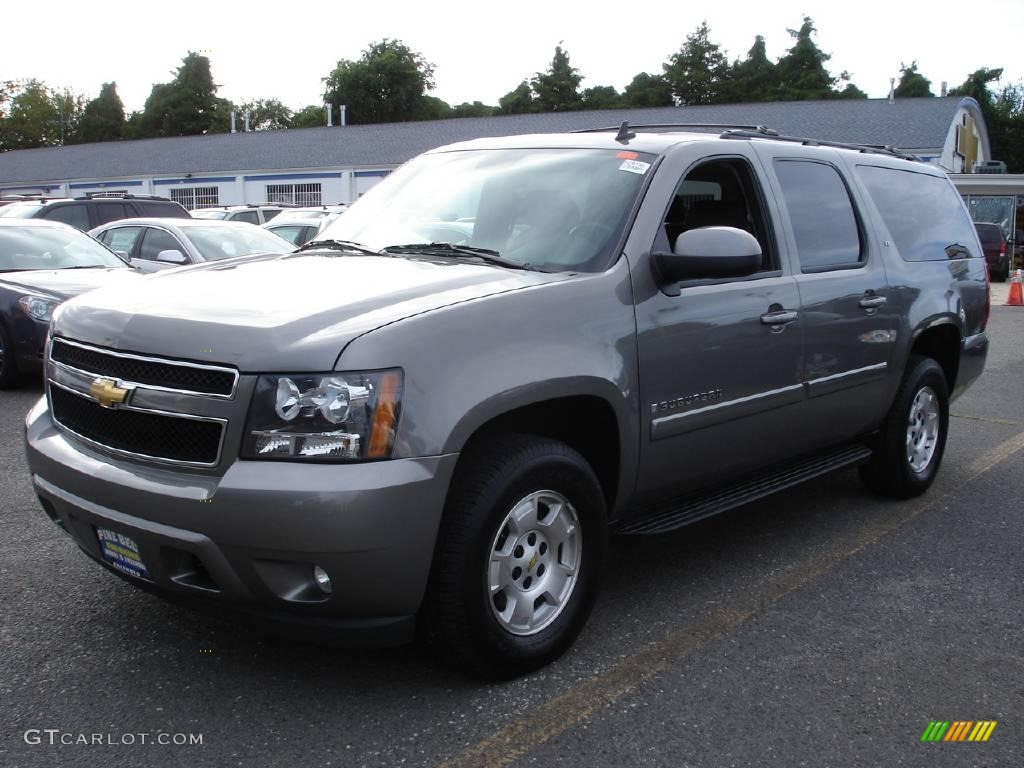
[(845, 303)]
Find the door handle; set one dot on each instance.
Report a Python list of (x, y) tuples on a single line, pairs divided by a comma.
[(780, 317), (872, 302)]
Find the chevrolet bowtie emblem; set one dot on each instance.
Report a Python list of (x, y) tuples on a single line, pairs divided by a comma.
[(107, 393)]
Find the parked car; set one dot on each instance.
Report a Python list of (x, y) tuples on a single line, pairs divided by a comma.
[(317, 211), (155, 244), (993, 241), (433, 415), (86, 213), (43, 263), (296, 230), (251, 214)]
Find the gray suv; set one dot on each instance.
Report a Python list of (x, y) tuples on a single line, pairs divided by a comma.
[(431, 417)]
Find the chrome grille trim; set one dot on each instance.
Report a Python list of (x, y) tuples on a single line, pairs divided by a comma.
[(131, 454), (146, 359)]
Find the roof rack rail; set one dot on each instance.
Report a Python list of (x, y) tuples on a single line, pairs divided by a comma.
[(876, 149), (625, 131), (100, 195)]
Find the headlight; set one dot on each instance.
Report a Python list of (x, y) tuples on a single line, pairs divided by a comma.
[(38, 308), (324, 416)]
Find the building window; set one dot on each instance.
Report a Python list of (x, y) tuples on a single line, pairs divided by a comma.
[(296, 194), (196, 197)]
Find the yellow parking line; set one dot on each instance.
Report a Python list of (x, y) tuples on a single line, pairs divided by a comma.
[(558, 715)]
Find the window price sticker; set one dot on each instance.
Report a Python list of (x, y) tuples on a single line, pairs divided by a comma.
[(634, 166)]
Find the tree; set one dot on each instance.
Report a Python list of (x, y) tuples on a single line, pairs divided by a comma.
[(802, 72), (912, 83), (186, 106), (38, 116), (264, 115), (103, 117), (753, 79), (518, 101), (476, 109), (388, 83), (698, 70), (601, 97), (312, 116), (646, 90), (851, 91), (1003, 112), (558, 88)]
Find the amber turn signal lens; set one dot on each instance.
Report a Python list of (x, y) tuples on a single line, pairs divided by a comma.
[(384, 416)]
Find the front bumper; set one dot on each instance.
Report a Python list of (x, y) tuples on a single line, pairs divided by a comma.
[(248, 539)]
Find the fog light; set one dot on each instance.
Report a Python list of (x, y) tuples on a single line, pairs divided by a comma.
[(322, 579)]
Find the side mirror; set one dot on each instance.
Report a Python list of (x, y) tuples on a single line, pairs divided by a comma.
[(123, 254), (172, 257), (708, 253)]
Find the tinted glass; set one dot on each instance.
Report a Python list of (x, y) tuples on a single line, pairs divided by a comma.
[(111, 212), (121, 238), (223, 242), (156, 240), (50, 247), (268, 214), (821, 214), (251, 217), (75, 215), (923, 213), (161, 209), (990, 234), (558, 209)]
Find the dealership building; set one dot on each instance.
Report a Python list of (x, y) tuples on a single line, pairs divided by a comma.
[(313, 166)]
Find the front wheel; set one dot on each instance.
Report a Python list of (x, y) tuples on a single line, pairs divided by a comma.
[(518, 556), (913, 436)]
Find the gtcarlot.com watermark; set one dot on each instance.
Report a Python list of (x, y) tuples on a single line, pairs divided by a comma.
[(55, 736)]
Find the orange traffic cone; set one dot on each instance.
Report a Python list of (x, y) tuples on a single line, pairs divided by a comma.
[(1016, 297)]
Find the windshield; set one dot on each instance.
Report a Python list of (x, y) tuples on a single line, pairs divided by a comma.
[(25, 247), (556, 209), (20, 210), (201, 214), (235, 240)]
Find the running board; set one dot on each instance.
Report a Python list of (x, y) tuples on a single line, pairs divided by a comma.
[(694, 508)]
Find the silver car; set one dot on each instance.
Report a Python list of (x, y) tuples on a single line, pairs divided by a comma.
[(155, 244)]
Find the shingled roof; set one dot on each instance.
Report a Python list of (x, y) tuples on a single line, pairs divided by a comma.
[(911, 124)]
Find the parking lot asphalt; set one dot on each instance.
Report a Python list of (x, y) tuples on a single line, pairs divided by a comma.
[(821, 627)]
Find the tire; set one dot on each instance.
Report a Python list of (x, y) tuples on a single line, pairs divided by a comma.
[(9, 377), (462, 617), (895, 470)]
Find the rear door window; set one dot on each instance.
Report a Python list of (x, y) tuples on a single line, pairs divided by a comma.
[(75, 214), (923, 213), (821, 214), (121, 238), (159, 208), (111, 212), (252, 217)]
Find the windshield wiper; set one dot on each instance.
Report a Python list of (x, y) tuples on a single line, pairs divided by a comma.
[(339, 245), (450, 249)]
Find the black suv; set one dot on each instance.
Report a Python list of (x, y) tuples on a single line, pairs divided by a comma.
[(86, 213)]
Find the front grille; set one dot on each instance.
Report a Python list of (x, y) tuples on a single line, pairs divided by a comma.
[(187, 377), (147, 434)]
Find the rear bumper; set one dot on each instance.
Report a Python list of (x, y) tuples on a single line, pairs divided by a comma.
[(248, 540), (973, 353)]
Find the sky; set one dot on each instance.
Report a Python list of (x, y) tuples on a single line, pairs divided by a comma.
[(481, 50)]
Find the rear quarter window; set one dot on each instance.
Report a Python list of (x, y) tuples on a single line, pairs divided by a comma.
[(923, 213), (161, 209)]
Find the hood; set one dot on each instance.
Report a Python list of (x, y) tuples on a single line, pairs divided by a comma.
[(66, 283), (275, 313)]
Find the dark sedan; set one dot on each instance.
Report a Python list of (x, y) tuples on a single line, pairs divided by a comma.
[(42, 264)]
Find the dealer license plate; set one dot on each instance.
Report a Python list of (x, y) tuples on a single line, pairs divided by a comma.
[(121, 552)]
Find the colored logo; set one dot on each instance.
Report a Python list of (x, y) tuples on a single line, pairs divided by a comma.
[(958, 730), (107, 393)]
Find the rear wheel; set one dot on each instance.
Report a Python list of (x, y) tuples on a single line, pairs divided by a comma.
[(913, 436), (518, 557), (8, 367)]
